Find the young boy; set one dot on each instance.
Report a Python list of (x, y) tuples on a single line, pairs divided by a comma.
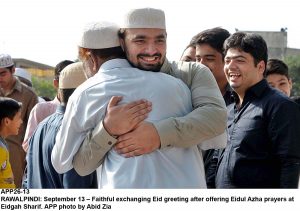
[(277, 75), (10, 122)]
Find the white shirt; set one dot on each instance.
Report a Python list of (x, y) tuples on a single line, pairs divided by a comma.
[(167, 168)]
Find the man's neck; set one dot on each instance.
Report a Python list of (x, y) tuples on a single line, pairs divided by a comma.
[(3, 133), (222, 88), (241, 96)]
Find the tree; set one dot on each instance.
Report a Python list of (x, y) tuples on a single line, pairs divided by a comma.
[(43, 87), (293, 63)]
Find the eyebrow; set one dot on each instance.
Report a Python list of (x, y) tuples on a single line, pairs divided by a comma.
[(206, 55), (282, 79), (4, 71), (235, 57)]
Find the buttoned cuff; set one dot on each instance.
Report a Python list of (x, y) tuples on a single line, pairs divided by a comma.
[(102, 138), (164, 129)]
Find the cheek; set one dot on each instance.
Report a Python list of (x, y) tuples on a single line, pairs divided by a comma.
[(163, 49), (285, 87), (211, 66), (131, 52)]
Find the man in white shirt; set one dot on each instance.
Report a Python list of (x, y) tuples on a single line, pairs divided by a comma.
[(143, 38), (166, 168)]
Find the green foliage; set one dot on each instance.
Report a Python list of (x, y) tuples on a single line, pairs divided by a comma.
[(43, 87), (293, 63)]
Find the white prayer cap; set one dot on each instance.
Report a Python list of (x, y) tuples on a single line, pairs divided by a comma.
[(71, 76), (144, 18), (23, 75), (20, 72), (5, 61), (99, 35)]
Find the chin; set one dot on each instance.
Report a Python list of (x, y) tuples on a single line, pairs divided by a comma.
[(152, 68), (234, 86)]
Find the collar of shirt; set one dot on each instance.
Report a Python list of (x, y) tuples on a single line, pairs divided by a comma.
[(166, 67), (61, 109), (256, 90), (114, 63), (17, 87), (229, 95), (55, 101)]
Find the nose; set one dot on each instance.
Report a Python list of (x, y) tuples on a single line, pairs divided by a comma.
[(229, 64), (151, 49), (200, 61)]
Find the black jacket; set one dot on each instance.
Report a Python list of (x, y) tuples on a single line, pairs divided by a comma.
[(263, 149)]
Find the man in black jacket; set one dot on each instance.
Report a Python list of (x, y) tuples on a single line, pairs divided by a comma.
[(263, 149)]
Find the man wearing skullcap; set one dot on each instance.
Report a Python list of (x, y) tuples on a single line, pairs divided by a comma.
[(40, 172), (11, 86), (44, 109), (100, 48), (143, 38)]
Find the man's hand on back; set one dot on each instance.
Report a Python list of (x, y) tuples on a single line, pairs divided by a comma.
[(121, 119), (143, 139)]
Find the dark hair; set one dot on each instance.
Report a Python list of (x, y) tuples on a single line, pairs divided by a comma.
[(250, 43), (108, 52), (46, 98), (65, 95), (214, 37), (277, 66), (60, 66), (10, 68), (188, 46), (8, 108), (121, 33)]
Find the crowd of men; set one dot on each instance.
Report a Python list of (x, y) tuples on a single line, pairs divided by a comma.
[(126, 117)]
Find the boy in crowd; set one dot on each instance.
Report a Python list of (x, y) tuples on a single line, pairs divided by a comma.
[(10, 122), (277, 75)]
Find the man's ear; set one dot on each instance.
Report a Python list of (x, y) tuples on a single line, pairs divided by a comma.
[(122, 43), (13, 70), (55, 83), (95, 61), (6, 121), (261, 67), (291, 83)]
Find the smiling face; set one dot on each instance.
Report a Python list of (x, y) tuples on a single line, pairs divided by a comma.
[(241, 71), (145, 48), (280, 82)]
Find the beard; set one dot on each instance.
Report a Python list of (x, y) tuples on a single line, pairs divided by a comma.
[(144, 66)]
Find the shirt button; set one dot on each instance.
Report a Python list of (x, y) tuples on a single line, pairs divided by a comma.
[(109, 143)]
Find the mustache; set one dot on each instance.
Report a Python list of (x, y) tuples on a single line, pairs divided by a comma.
[(148, 55)]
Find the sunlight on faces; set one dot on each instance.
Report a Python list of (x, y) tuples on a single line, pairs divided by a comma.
[(145, 48), (280, 82), (240, 70)]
